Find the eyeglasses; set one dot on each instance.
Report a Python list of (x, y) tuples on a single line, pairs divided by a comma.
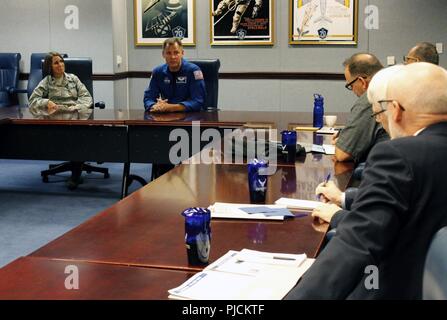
[(383, 108), (408, 59), (349, 85)]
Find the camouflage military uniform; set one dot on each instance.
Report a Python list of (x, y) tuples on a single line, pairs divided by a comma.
[(70, 94)]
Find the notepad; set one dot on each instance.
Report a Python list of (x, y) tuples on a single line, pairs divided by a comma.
[(284, 212), (297, 203), (234, 211), (328, 149), (328, 130), (245, 274)]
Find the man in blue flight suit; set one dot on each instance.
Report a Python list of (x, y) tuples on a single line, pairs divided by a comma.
[(177, 85)]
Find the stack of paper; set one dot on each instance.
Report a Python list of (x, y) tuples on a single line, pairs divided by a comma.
[(325, 148), (329, 149), (249, 211), (297, 203), (328, 130), (246, 275)]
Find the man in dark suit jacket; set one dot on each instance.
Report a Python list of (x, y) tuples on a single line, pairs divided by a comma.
[(340, 202), (380, 247)]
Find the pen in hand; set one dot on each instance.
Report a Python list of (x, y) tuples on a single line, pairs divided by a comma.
[(328, 177)]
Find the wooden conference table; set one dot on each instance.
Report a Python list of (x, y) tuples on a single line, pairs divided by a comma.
[(30, 278), (123, 136), (141, 238)]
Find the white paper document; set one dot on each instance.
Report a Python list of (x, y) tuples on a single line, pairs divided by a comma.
[(325, 148), (329, 149), (245, 275), (328, 130), (233, 211), (297, 203)]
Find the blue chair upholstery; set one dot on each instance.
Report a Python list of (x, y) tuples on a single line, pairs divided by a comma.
[(82, 68), (210, 69), (358, 171), (9, 78), (330, 234), (435, 271), (35, 72)]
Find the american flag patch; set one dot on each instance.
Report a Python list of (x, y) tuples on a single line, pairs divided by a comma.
[(198, 75)]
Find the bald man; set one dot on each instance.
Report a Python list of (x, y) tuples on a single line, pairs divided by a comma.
[(422, 52), (361, 132), (380, 247), (336, 200)]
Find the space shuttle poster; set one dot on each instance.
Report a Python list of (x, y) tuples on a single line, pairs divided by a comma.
[(323, 22), (157, 20), (242, 22)]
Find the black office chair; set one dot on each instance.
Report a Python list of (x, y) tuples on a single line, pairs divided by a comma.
[(435, 271), (9, 78), (82, 67), (210, 69)]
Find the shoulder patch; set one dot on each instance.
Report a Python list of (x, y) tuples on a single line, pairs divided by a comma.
[(198, 75)]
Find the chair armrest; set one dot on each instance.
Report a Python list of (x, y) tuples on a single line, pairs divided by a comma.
[(12, 90), (100, 105)]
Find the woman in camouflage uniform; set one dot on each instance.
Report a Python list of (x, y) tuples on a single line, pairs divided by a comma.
[(61, 96)]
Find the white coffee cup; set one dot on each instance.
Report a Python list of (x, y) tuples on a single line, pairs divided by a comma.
[(330, 121)]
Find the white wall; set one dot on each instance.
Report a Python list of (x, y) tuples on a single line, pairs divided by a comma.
[(402, 24), (107, 30), (29, 26)]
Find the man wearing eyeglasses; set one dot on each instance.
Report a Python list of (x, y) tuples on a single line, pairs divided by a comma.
[(361, 132), (337, 203), (400, 203), (422, 52)]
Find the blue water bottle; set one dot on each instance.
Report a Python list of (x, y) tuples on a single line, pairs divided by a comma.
[(318, 110), (197, 235), (257, 180), (288, 141)]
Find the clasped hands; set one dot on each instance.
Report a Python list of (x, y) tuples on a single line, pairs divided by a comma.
[(161, 105), (52, 107), (330, 195)]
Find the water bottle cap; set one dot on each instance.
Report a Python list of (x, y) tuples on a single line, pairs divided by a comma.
[(318, 97), (195, 211)]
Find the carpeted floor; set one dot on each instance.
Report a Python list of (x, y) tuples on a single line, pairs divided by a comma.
[(32, 213)]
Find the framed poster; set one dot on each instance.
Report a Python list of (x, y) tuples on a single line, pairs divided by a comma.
[(157, 20), (242, 22), (323, 22)]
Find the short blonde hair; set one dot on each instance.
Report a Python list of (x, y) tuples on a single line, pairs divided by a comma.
[(378, 86)]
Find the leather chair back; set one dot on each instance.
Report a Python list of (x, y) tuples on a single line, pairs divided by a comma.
[(210, 70), (435, 271), (35, 72), (9, 78)]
